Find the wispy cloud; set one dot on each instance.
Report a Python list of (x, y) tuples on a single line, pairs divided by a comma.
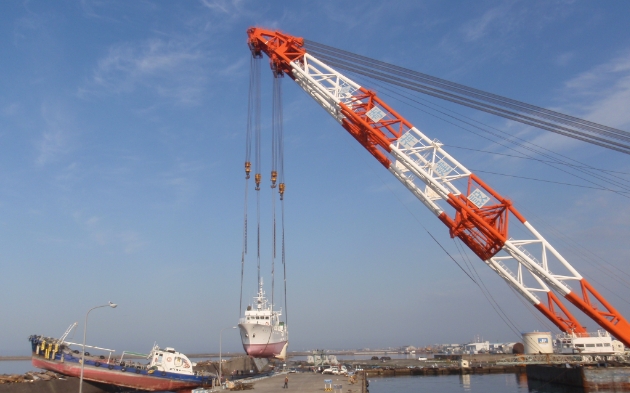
[(564, 58), (181, 181), (127, 240), (498, 32), (604, 92), (89, 8), (479, 27), (172, 68), (58, 135), (11, 109), (223, 6), (224, 15)]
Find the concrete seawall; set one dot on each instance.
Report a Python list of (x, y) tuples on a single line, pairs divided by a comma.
[(586, 377), (557, 375), (447, 371)]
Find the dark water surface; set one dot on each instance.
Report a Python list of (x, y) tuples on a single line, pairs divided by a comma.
[(475, 383)]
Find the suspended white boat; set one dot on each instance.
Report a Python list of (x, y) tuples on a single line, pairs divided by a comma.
[(262, 333)]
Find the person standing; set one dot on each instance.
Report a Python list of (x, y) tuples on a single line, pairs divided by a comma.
[(286, 382)]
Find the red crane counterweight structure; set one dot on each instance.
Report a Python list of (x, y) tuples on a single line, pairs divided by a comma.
[(472, 210)]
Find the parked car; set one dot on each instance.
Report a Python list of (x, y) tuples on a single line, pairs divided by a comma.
[(334, 370), (330, 370)]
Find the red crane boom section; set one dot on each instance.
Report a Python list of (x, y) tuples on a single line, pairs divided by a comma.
[(483, 229)]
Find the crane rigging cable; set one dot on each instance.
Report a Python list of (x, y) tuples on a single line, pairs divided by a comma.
[(528, 120), (486, 293), (276, 134), (559, 123), (553, 157), (274, 343), (278, 124), (600, 264), (253, 122), (548, 181), (535, 159)]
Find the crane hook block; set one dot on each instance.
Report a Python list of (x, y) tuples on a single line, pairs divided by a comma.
[(258, 177), (248, 169), (281, 190), (274, 178)]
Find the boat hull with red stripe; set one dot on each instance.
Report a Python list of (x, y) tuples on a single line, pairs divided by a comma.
[(270, 350), (167, 370), (116, 377)]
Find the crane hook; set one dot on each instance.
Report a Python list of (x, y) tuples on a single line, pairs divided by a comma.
[(248, 169), (258, 177), (281, 190), (274, 177)]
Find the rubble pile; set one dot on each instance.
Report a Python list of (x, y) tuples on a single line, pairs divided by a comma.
[(30, 376), (239, 385)]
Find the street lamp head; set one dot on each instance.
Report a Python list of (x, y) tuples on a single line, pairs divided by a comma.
[(233, 327), (113, 305)]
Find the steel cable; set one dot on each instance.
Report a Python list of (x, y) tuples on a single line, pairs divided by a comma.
[(557, 158), (253, 118), (582, 136), (486, 291), (534, 148), (441, 85)]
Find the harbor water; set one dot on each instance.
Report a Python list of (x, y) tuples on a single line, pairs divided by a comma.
[(473, 383)]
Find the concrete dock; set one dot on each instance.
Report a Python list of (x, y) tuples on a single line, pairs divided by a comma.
[(307, 383)]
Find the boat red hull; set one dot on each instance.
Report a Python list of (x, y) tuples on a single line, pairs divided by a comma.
[(264, 350), (114, 377)]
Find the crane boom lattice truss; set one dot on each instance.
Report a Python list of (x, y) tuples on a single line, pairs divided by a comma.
[(472, 210)]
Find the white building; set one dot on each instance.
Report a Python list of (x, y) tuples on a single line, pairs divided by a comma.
[(501, 347), (479, 347)]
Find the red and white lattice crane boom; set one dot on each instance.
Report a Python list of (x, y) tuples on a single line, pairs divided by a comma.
[(473, 212)]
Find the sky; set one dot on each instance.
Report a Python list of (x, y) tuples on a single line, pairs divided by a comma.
[(122, 129)]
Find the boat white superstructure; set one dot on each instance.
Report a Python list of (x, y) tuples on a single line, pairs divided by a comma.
[(262, 333), (600, 342)]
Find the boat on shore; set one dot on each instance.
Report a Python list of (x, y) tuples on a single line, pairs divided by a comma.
[(160, 370), (262, 333)]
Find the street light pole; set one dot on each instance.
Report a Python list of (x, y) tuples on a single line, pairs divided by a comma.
[(220, 353), (110, 304)]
